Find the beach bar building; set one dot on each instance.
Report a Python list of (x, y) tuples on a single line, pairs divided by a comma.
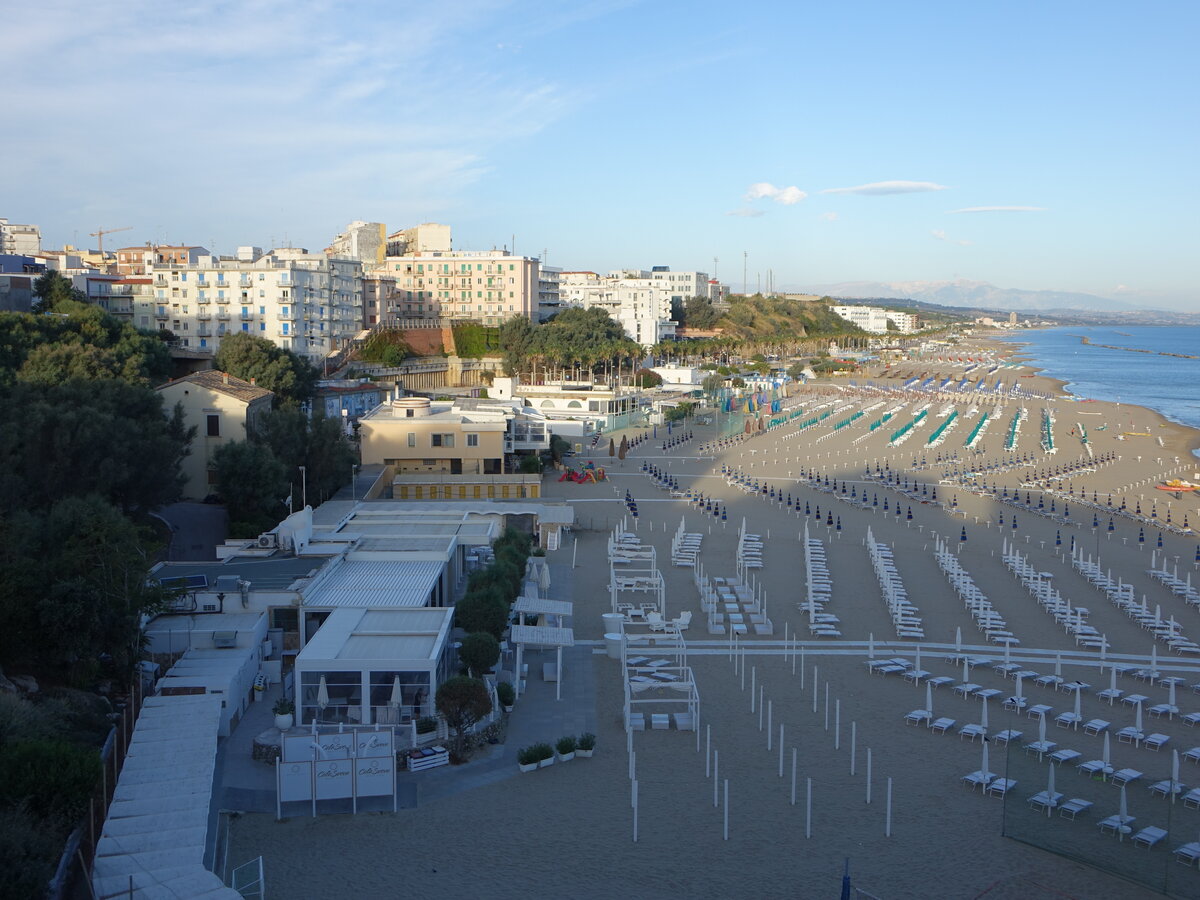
[(375, 666)]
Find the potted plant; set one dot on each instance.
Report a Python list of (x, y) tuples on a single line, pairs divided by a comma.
[(506, 694), (527, 758), (566, 747), (587, 745), (284, 710), (545, 755)]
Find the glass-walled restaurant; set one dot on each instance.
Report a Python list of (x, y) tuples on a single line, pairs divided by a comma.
[(367, 667)]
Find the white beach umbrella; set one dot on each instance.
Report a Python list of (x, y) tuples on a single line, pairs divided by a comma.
[(1007, 654), (984, 768), (1042, 728), (1154, 659), (958, 640), (1171, 698), (871, 645), (1157, 614), (397, 697), (917, 662), (1103, 650), (1020, 695), (1112, 679), (1137, 722), (929, 699), (1106, 756), (966, 670), (1123, 813), (1058, 665), (983, 719), (1174, 773), (1078, 705), (322, 694), (1050, 790)]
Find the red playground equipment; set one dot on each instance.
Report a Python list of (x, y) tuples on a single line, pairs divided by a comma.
[(588, 472)]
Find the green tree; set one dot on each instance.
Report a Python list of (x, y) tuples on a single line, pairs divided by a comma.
[(712, 384), (53, 288), (54, 778), (248, 356), (105, 437), (462, 701), (73, 584), (479, 652), (319, 444), (647, 378), (255, 486), (485, 610), (517, 344), (384, 348)]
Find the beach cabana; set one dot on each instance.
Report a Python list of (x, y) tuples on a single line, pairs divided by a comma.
[(542, 636)]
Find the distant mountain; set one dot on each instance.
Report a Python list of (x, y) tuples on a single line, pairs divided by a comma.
[(976, 295)]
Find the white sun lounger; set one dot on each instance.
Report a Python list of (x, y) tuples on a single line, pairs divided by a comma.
[(1074, 807), (1149, 836)]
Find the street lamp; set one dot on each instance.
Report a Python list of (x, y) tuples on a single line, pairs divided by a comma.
[(304, 485)]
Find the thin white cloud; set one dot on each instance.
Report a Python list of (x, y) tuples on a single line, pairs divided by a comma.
[(879, 188), (981, 209), (745, 212), (788, 196), (829, 217), (940, 235)]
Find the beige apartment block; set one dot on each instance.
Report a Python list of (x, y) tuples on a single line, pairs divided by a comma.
[(417, 436), (222, 408)]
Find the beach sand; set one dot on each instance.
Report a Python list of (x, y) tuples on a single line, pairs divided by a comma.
[(567, 829)]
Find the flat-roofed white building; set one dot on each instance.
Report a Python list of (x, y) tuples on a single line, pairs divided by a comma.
[(632, 298), (877, 320)]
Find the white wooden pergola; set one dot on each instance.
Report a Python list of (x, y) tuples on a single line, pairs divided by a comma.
[(542, 636), (543, 606)]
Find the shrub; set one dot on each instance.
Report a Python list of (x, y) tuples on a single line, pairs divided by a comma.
[(566, 744), (28, 852), (528, 756), (542, 751), (587, 741), (506, 693), (53, 777), (479, 651), (482, 612), (426, 725), (283, 707), (462, 702)]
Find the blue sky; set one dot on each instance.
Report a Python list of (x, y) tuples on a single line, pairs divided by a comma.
[(830, 142)]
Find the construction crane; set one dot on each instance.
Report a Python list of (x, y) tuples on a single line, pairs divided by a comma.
[(101, 232)]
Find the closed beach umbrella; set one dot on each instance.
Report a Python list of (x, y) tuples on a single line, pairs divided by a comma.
[(1007, 654), (983, 719), (917, 662), (1123, 813), (1058, 665), (1020, 692), (1078, 705), (1050, 789), (958, 639), (322, 694), (966, 671), (984, 766), (1174, 773), (1154, 659), (397, 694), (871, 645), (1137, 720), (1171, 698), (1105, 757), (929, 698), (1042, 728), (1112, 681)]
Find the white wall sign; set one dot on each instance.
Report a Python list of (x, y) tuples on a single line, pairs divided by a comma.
[(373, 743), (375, 776), (295, 781), (335, 778)]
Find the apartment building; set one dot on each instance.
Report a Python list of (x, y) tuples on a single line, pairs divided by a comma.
[(19, 240), (486, 286), (631, 297), (128, 298), (222, 408), (308, 303), (364, 241), (878, 321), (549, 291), (139, 260), (417, 436), (682, 285)]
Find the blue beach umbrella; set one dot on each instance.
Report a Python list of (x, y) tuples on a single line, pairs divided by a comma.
[(1014, 523), (1058, 539), (1001, 518), (1160, 541), (1141, 535), (909, 513), (963, 537), (839, 528), (1111, 525), (1095, 521)]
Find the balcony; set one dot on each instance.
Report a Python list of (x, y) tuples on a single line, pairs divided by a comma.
[(246, 317), (222, 299), (223, 315), (286, 334), (286, 316), (204, 315)]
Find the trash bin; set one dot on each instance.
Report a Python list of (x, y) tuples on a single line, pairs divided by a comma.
[(612, 643)]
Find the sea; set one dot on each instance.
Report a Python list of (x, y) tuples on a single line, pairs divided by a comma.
[(1167, 384)]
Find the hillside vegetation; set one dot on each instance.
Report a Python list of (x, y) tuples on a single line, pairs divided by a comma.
[(759, 318)]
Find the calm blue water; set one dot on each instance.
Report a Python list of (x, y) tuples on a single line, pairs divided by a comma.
[(1163, 383)]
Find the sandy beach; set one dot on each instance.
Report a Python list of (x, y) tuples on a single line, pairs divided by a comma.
[(568, 829)]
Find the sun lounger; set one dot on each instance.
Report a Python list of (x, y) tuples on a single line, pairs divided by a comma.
[(1165, 788), (1190, 720), (1155, 741), (1068, 720), (972, 732), (1007, 736), (967, 688), (1129, 735), (1094, 766), (1149, 836), (1065, 756), (1095, 726), (988, 693), (1043, 799), (1073, 807), (1001, 786), (939, 681), (1125, 776), (917, 716), (1187, 854), (1192, 799), (1037, 711), (1110, 694), (979, 779), (1115, 822), (941, 726)]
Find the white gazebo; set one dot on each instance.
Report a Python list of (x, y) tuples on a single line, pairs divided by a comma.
[(542, 636)]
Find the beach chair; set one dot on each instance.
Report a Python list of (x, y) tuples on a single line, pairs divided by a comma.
[(979, 779), (637, 722), (683, 621), (1188, 854), (1064, 756), (939, 681), (1149, 836), (1125, 776), (1155, 741), (1190, 719), (1193, 754), (1001, 786), (1095, 726), (656, 621), (1068, 720), (941, 726), (1129, 735), (1165, 788), (1043, 800), (1110, 694), (1006, 736), (1038, 710), (918, 716), (972, 732), (1074, 807), (967, 688), (1192, 799), (1093, 766), (1116, 823)]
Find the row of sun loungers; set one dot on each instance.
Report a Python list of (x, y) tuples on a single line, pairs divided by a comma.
[(819, 589), (990, 622), (1121, 594), (904, 614)]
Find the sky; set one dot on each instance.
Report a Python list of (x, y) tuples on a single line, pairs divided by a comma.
[(1028, 145)]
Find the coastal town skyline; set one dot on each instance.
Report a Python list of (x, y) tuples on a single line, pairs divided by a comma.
[(894, 147)]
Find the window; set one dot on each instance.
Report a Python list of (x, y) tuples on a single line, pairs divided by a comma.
[(441, 440), (214, 426), (412, 436), (472, 440)]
